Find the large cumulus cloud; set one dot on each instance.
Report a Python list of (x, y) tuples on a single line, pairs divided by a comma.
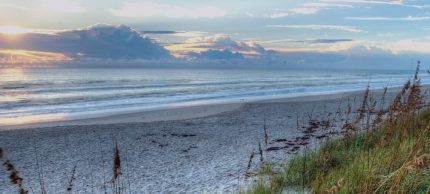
[(98, 41)]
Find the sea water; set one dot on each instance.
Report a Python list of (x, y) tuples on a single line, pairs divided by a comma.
[(34, 95)]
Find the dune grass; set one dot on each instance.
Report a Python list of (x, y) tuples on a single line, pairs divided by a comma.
[(359, 164), (392, 157)]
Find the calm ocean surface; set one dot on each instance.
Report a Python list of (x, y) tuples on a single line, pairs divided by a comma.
[(28, 95)]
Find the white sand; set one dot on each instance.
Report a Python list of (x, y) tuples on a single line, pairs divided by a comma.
[(184, 150)]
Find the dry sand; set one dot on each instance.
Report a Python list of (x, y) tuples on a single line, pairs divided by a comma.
[(201, 149)]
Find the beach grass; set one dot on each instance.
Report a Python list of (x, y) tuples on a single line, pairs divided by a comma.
[(390, 156)]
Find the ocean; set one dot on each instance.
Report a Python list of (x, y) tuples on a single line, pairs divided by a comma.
[(37, 95)]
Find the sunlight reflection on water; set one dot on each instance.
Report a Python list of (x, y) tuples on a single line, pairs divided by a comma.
[(30, 119), (11, 75)]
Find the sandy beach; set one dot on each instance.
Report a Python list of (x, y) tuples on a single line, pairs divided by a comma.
[(200, 149), (196, 97)]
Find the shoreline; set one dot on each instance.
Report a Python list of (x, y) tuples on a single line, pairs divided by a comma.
[(177, 113)]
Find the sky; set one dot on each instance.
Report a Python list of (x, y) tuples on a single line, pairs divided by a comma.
[(290, 33)]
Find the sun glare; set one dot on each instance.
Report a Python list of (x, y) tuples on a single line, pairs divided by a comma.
[(15, 56), (13, 30)]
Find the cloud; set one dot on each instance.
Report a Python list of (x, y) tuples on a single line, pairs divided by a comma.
[(175, 33), (360, 56), (367, 49), (417, 46), (160, 32), (8, 56), (216, 55), (189, 34), (408, 18), (98, 41), (419, 6), (219, 46), (152, 9), (279, 15), (323, 5), (320, 27), (304, 10), (311, 41), (224, 42), (384, 2), (388, 2), (379, 56), (408, 45), (329, 41)]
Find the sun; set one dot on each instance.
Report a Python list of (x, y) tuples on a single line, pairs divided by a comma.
[(13, 30)]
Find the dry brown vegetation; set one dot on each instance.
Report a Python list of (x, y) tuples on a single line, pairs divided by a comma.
[(380, 151)]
